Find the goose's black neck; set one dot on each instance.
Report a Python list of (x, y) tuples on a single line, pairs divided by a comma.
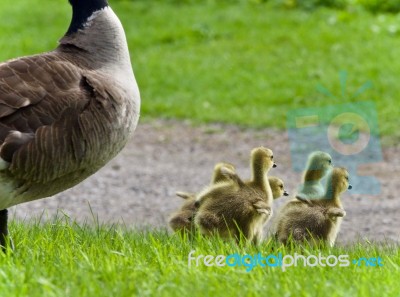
[(81, 11)]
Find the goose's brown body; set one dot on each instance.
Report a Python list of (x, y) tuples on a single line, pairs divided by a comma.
[(72, 123), (63, 114)]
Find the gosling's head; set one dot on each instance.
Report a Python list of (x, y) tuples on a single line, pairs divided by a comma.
[(263, 157), (338, 181), (277, 187), (219, 170), (190, 201), (181, 221), (318, 165)]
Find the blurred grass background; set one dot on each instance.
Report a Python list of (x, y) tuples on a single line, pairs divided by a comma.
[(245, 62)]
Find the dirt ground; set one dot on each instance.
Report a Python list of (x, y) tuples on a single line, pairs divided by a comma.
[(138, 187)]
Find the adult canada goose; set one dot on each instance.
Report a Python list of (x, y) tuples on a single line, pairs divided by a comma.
[(319, 164), (232, 209), (65, 113), (316, 219)]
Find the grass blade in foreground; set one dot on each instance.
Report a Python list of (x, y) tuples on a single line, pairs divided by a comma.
[(61, 258)]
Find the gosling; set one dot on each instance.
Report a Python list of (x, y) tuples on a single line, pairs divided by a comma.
[(319, 164), (235, 209), (277, 185), (182, 220), (315, 220)]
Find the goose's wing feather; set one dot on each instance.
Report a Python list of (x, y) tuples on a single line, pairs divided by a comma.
[(31, 91), (44, 105)]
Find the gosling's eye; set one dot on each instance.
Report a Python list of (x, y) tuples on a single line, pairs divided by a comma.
[(347, 178), (330, 161), (281, 187), (272, 157)]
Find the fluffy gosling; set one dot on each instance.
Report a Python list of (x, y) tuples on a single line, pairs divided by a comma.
[(309, 220), (277, 185), (182, 220), (319, 164), (232, 209)]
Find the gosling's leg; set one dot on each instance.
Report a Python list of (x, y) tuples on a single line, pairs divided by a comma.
[(4, 230)]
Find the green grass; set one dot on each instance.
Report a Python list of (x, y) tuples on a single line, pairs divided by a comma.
[(60, 258), (234, 61), (217, 61)]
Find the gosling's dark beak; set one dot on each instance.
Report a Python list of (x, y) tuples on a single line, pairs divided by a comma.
[(274, 166), (285, 193), (350, 187)]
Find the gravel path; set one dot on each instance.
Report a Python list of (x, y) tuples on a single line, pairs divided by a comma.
[(138, 187)]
